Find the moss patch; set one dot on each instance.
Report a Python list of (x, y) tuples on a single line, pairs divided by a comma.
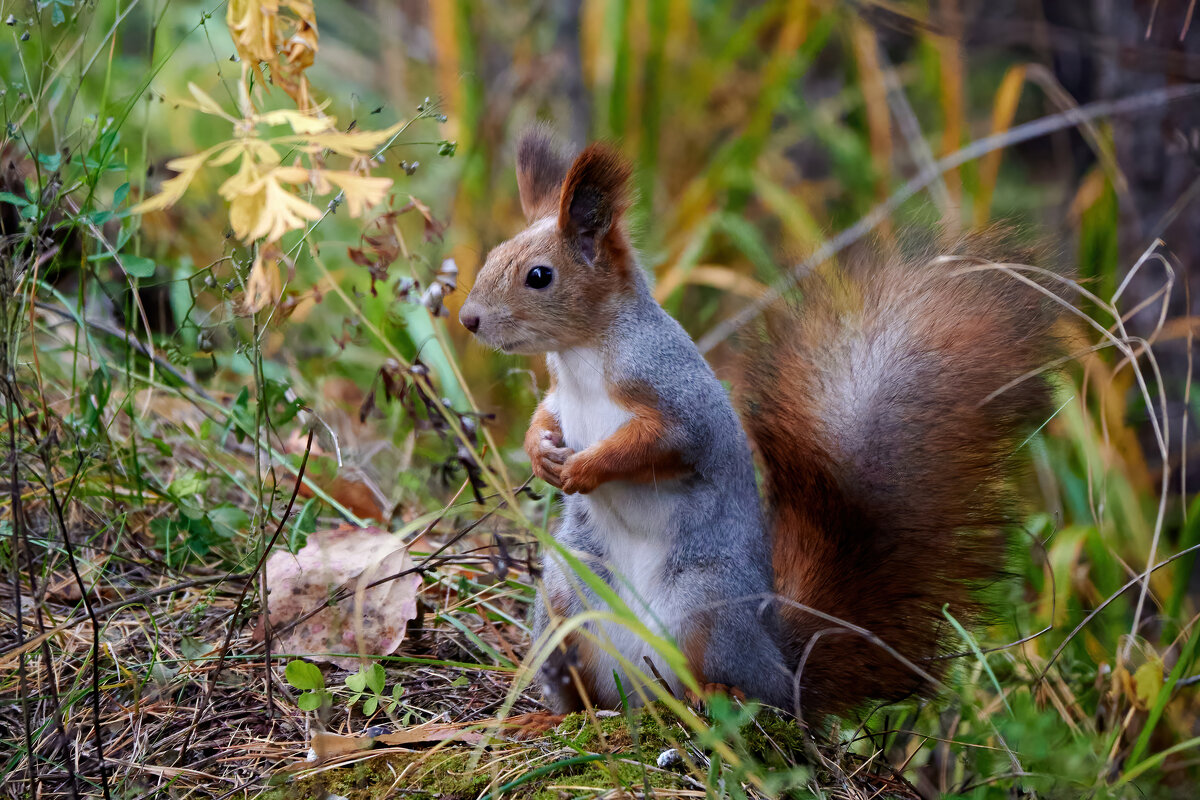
[(435, 774), (599, 753), (628, 759), (657, 728), (773, 740)]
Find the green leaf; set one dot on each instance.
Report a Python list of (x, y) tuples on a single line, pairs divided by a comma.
[(375, 678), (461, 680), (194, 649), (93, 402), (309, 701), (161, 674), (240, 415), (228, 520), (189, 483), (139, 266), (9, 197), (304, 675), (57, 13), (52, 161), (306, 523), (357, 682), (371, 706), (1148, 682)]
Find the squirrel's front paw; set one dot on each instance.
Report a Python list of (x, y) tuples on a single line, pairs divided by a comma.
[(577, 476), (548, 458), (709, 689)]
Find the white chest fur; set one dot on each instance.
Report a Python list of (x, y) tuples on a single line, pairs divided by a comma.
[(632, 520), (586, 411)]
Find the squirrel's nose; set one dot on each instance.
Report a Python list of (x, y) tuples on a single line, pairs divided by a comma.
[(469, 317)]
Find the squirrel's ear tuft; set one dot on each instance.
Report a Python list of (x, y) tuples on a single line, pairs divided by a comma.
[(594, 196), (541, 168)]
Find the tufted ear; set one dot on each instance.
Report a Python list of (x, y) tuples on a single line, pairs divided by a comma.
[(541, 168), (594, 196)]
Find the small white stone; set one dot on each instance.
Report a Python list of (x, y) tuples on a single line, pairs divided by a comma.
[(669, 759)]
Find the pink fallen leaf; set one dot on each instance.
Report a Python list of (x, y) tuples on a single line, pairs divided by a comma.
[(370, 622)]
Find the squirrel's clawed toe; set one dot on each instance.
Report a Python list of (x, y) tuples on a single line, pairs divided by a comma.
[(710, 689), (550, 458)]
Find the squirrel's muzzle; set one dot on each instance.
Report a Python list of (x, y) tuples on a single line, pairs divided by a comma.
[(470, 316)]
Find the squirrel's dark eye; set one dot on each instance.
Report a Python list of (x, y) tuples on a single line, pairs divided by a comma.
[(539, 277)]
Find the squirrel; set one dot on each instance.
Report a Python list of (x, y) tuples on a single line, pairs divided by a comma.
[(887, 412)]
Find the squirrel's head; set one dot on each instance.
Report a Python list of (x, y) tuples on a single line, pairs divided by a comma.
[(556, 284)]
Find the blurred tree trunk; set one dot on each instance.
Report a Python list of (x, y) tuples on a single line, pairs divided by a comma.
[(1158, 150), (1107, 49), (577, 125)]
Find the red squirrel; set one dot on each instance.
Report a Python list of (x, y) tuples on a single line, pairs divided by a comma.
[(887, 411)]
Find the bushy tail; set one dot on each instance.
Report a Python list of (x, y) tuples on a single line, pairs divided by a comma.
[(890, 457)]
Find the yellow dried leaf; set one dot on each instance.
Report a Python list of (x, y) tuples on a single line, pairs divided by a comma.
[(1121, 683), (173, 188), (355, 143), (301, 47), (319, 184), (263, 285), (263, 151), (1004, 110), (295, 174), (1091, 190), (304, 124), (361, 191), (228, 155), (206, 103), (281, 212), (263, 34), (243, 182), (245, 211), (303, 9), (281, 34), (252, 25)]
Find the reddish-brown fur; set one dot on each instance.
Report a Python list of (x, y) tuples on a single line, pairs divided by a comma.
[(594, 196), (886, 511), (541, 167), (636, 452), (695, 647), (586, 245), (543, 423)]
